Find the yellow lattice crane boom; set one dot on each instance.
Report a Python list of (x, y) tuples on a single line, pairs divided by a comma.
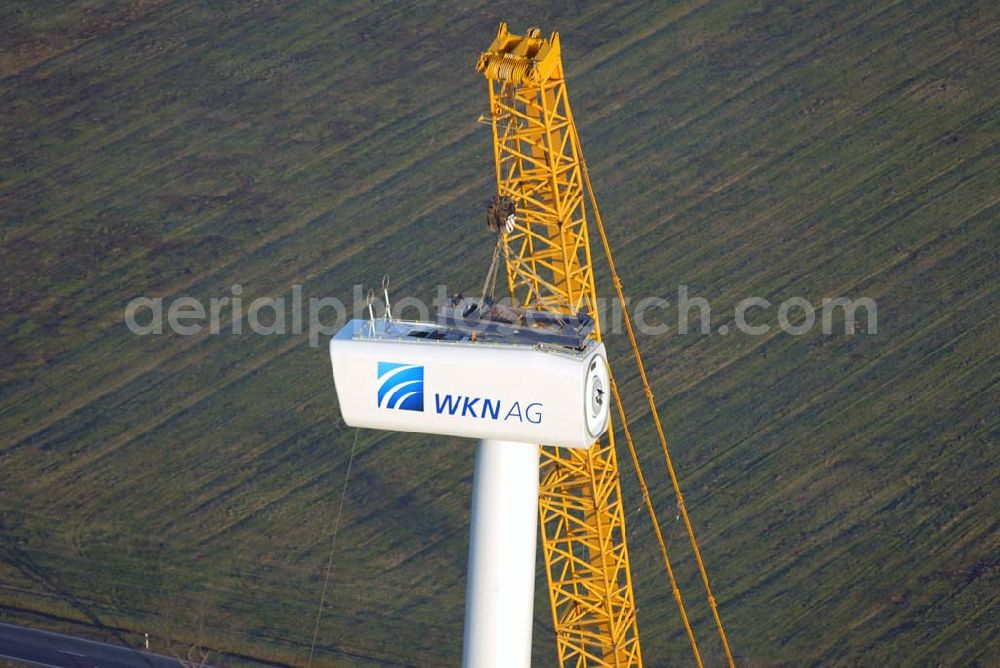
[(540, 173)]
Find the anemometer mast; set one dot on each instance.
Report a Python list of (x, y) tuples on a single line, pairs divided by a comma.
[(519, 375)]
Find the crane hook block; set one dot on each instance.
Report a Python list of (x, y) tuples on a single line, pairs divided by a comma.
[(500, 214)]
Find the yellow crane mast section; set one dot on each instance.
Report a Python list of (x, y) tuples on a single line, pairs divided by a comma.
[(539, 164)]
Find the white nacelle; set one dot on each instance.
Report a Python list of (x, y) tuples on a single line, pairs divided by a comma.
[(394, 375)]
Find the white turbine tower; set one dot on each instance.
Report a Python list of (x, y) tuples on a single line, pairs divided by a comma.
[(511, 388)]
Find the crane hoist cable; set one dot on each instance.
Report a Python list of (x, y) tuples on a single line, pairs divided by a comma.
[(490, 282), (656, 523), (651, 400)]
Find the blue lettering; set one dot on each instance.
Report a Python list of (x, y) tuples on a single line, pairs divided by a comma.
[(446, 403), (469, 407), (491, 408)]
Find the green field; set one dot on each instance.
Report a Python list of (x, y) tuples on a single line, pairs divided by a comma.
[(846, 489)]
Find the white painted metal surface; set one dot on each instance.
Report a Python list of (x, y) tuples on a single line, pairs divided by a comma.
[(420, 377), (500, 592), (387, 378)]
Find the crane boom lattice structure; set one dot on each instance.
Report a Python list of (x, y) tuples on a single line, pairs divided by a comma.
[(549, 267), (540, 168)]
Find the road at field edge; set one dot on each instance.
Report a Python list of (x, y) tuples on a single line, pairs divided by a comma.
[(54, 650)]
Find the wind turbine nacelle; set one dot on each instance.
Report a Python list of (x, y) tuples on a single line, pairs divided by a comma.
[(427, 378)]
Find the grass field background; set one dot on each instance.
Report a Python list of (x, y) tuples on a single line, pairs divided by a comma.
[(845, 488)]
